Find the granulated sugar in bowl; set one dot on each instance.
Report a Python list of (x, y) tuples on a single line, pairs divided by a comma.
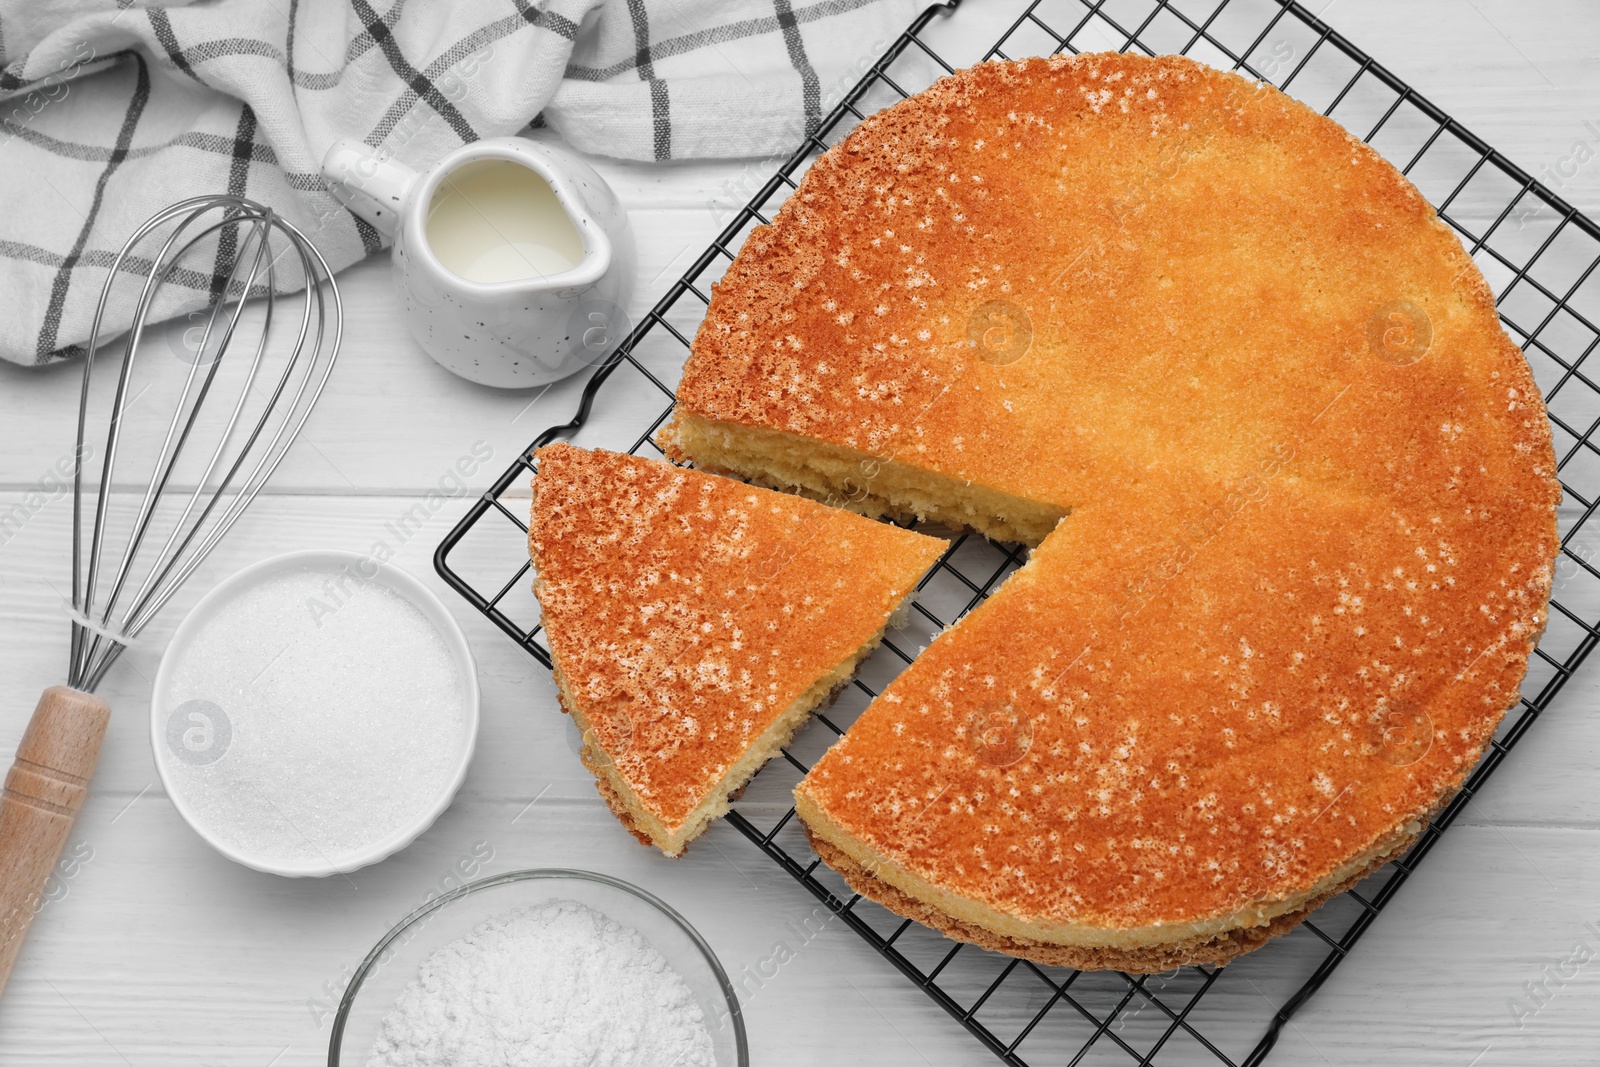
[(314, 713)]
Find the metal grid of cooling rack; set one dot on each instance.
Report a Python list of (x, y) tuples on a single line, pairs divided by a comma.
[(1539, 255)]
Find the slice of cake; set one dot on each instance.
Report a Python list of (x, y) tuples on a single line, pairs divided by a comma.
[(695, 622), (1292, 488)]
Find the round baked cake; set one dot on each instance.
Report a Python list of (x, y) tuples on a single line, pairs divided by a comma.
[(1291, 486)]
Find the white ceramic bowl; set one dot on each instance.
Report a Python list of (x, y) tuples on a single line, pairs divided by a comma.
[(331, 561)]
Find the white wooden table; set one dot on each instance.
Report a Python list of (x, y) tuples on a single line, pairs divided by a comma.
[(160, 952)]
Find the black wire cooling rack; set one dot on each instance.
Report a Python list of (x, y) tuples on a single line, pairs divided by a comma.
[(1539, 255)]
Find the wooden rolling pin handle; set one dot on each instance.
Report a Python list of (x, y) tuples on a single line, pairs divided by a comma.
[(45, 788)]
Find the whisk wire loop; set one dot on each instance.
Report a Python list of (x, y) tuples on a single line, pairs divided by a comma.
[(260, 425)]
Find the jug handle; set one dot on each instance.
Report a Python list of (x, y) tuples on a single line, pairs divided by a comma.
[(369, 181)]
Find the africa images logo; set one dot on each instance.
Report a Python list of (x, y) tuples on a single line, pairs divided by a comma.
[(998, 734), (1000, 332), (199, 732), (1400, 733), (1399, 333)]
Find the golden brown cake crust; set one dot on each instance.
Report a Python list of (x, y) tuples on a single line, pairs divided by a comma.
[(687, 613), (1216, 950), (1310, 481), (593, 762)]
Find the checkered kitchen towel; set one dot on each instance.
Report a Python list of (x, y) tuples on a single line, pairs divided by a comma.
[(110, 111)]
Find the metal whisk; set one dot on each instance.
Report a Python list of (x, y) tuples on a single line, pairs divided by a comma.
[(263, 408)]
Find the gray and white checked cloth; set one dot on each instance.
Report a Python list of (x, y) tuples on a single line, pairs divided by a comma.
[(110, 111)]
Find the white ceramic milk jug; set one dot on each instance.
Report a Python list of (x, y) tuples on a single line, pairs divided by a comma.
[(513, 259)]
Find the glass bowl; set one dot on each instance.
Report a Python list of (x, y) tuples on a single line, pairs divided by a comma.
[(395, 960)]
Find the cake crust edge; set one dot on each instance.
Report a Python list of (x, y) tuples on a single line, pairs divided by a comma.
[(1217, 950)]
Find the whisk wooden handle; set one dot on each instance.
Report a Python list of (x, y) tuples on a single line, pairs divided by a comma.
[(46, 786)]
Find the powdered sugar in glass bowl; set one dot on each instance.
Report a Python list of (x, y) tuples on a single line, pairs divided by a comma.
[(406, 974)]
